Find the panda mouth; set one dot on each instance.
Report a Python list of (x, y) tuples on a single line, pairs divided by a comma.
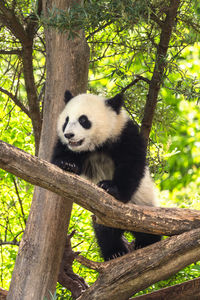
[(76, 144)]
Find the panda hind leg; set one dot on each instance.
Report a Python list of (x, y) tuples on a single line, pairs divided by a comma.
[(145, 239), (110, 241)]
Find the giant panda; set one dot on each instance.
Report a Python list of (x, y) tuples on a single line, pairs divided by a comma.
[(98, 141)]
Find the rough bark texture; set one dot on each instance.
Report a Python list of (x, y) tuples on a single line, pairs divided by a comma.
[(167, 221), (67, 277), (184, 291), (3, 294), (41, 249), (123, 277), (160, 63)]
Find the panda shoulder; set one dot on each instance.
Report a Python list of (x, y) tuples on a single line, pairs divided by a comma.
[(131, 138), (131, 129)]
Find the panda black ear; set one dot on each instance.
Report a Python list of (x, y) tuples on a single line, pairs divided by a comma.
[(116, 102), (67, 96)]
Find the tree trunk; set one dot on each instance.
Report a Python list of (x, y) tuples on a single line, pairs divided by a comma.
[(41, 249)]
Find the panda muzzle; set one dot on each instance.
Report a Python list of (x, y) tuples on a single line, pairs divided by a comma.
[(76, 143)]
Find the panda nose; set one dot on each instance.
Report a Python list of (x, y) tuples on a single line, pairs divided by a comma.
[(69, 135)]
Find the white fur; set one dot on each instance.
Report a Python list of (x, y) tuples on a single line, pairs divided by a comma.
[(98, 167), (145, 194), (105, 122)]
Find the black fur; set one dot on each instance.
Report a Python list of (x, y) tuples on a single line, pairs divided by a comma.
[(67, 96), (129, 157), (128, 154), (115, 102)]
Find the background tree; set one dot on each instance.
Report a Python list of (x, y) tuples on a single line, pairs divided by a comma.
[(129, 43)]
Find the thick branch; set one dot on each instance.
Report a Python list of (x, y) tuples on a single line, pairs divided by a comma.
[(139, 269), (159, 68), (186, 290), (11, 21), (167, 221)]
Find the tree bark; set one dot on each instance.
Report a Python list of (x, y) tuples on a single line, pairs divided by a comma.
[(121, 278), (184, 291), (41, 249), (166, 221), (3, 294), (159, 68)]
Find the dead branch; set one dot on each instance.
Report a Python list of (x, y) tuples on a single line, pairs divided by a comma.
[(89, 263), (165, 221)]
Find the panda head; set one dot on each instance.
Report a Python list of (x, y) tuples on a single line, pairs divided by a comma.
[(88, 121)]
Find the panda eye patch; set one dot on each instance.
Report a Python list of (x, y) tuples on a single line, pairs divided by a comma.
[(65, 124), (83, 120)]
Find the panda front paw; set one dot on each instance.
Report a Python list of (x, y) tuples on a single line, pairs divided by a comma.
[(68, 166), (108, 186)]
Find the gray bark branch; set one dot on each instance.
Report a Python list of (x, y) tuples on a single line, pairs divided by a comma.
[(165, 221), (121, 278)]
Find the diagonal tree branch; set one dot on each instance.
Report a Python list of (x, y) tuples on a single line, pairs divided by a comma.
[(167, 221), (26, 34), (16, 101), (10, 20), (121, 278), (186, 290)]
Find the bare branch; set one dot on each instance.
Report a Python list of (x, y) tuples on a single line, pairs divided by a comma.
[(19, 199), (167, 221), (89, 263), (11, 52), (16, 101), (138, 78), (14, 242)]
